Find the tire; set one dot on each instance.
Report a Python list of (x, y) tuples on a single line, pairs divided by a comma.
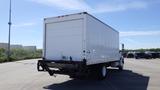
[(121, 65), (101, 72), (120, 68), (98, 72)]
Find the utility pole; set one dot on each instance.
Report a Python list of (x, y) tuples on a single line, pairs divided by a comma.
[(9, 34), (122, 49)]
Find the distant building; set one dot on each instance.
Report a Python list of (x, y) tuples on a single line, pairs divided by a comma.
[(16, 46), (30, 48), (4, 45)]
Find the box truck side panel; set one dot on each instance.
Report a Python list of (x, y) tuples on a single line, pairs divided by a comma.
[(102, 42), (63, 39)]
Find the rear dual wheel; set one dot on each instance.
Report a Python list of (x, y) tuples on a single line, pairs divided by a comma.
[(98, 72), (102, 72)]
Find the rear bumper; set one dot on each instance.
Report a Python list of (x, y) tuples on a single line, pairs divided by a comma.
[(63, 67)]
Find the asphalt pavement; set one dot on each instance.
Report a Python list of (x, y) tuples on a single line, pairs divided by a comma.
[(141, 74)]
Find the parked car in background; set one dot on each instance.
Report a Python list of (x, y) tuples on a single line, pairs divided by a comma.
[(155, 55), (143, 55), (130, 55)]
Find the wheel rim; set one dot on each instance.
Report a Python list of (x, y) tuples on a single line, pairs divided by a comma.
[(104, 71)]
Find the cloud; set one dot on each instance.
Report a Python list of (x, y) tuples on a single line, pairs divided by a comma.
[(120, 6), (65, 4), (24, 24), (138, 33), (98, 7)]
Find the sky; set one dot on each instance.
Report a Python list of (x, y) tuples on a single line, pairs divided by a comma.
[(138, 21)]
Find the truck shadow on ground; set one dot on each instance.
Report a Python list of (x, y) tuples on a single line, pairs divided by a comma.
[(116, 80)]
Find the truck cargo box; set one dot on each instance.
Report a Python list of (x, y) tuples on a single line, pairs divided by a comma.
[(80, 36)]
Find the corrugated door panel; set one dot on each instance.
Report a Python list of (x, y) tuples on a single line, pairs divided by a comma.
[(64, 39)]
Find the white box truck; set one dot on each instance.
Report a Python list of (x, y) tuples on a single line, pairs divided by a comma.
[(79, 44)]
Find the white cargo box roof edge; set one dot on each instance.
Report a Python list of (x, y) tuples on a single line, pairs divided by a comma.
[(80, 13)]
